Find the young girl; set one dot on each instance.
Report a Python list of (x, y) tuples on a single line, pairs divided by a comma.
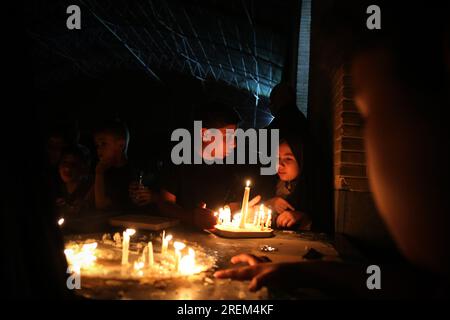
[(76, 188), (288, 203)]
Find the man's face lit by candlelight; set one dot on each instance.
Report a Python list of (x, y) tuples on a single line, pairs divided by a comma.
[(227, 143)]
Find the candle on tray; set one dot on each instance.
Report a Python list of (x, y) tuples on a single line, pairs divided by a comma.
[(262, 221), (187, 263), (150, 254), (144, 255), (126, 244), (244, 209), (162, 239), (269, 219), (259, 214), (178, 247), (255, 216), (165, 244)]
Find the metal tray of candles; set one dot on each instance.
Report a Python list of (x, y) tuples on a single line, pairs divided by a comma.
[(244, 233), (237, 227)]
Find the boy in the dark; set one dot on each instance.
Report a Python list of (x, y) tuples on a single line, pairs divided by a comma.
[(113, 173), (190, 192)]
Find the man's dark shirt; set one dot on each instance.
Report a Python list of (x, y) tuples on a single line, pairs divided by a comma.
[(215, 185)]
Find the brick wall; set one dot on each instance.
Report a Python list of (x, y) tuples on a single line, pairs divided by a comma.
[(349, 155), (355, 212)]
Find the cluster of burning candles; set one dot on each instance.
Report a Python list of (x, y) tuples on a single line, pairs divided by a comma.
[(181, 258), (262, 218), (183, 263), (81, 258)]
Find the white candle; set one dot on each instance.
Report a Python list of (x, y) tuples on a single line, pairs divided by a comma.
[(269, 219), (126, 244), (178, 247), (150, 254), (187, 263), (263, 214), (218, 216), (165, 244), (259, 213), (244, 209)]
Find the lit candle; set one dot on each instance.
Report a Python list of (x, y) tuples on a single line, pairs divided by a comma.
[(150, 254), (236, 220), (218, 216), (269, 219), (144, 255), (259, 214), (178, 247), (61, 222), (117, 239), (126, 244), (263, 214), (138, 266), (187, 263), (244, 208), (165, 244)]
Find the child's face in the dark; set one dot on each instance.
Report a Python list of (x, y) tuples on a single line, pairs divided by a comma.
[(109, 147), (71, 168), (288, 168)]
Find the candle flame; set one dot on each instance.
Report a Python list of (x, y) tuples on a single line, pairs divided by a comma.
[(248, 183), (61, 221), (187, 263), (138, 265), (169, 237), (81, 258), (224, 216), (179, 245), (130, 232)]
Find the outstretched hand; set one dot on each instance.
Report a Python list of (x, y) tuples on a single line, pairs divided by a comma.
[(249, 259), (279, 205), (261, 274)]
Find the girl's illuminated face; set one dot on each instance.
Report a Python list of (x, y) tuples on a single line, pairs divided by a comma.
[(288, 168), (70, 168)]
